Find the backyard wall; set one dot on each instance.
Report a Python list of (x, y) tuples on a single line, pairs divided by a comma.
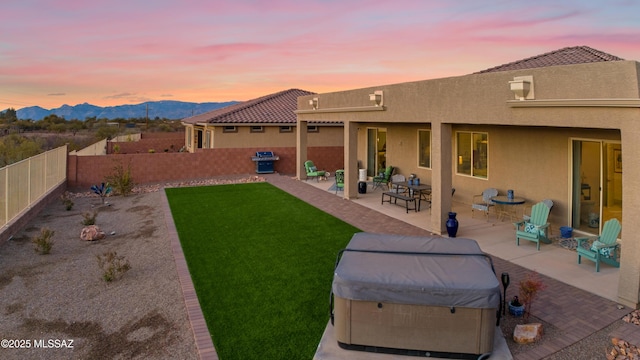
[(149, 142), (162, 167)]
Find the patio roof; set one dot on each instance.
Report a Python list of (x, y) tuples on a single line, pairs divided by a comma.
[(565, 56)]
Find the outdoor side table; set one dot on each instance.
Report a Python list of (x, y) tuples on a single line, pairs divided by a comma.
[(507, 206)]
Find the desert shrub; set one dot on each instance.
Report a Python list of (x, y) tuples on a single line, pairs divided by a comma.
[(112, 265), (43, 242), (529, 288), (66, 201), (89, 218), (121, 179)]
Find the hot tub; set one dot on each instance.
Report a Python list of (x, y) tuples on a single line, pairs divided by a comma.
[(415, 295)]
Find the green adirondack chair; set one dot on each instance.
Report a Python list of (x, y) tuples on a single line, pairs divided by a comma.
[(535, 229), (339, 180), (603, 248), (312, 170)]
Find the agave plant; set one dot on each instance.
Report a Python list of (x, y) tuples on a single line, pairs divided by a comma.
[(103, 190)]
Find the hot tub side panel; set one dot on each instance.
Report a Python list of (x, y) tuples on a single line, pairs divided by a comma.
[(414, 327)]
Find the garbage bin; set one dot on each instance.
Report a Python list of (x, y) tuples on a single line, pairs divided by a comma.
[(362, 187), (362, 175)]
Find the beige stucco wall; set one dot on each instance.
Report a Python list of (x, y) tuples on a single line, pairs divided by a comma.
[(270, 138), (482, 98), (529, 141), (532, 161)]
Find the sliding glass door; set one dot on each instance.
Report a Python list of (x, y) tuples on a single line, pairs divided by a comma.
[(376, 151), (596, 184)]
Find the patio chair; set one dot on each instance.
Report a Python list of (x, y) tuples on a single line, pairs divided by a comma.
[(483, 202), (603, 248), (526, 215), (312, 170), (339, 180), (383, 179), (535, 229)]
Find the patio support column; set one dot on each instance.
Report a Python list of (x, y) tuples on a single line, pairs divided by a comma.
[(629, 276), (301, 149), (441, 170), (350, 160)]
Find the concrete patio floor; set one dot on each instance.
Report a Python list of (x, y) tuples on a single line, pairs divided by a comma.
[(497, 238)]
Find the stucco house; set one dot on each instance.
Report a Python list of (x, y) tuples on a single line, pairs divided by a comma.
[(269, 123), (552, 126)]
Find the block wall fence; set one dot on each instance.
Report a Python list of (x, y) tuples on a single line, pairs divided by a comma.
[(149, 143), (163, 167)]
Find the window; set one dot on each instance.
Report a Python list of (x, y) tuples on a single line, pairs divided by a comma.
[(257, 129), (424, 148), (229, 129), (207, 139), (286, 129), (189, 134), (472, 154), (312, 128)]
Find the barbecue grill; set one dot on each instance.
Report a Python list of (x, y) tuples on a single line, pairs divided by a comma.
[(264, 161)]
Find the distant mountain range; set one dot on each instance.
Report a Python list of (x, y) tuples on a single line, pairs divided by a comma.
[(167, 109)]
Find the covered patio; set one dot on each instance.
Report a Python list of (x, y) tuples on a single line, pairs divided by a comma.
[(497, 238)]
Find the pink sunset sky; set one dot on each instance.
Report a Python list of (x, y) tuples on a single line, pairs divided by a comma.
[(55, 52)]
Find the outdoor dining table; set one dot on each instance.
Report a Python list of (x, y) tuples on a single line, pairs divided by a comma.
[(420, 192), (507, 206)]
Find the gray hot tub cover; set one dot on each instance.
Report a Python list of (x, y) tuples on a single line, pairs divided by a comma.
[(450, 280)]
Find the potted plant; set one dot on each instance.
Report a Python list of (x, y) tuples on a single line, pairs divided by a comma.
[(530, 286), (516, 308)]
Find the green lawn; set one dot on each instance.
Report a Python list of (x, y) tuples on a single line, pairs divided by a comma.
[(262, 264)]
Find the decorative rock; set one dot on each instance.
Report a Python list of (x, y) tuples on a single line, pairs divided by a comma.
[(142, 189), (91, 233), (527, 333), (633, 317), (622, 350)]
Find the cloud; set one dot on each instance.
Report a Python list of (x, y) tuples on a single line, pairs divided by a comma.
[(57, 94), (119, 96)]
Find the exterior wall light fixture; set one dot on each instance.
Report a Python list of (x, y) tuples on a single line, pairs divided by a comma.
[(377, 97), (314, 103), (522, 87)]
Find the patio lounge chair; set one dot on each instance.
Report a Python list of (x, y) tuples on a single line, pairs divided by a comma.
[(339, 180), (526, 216), (383, 179), (483, 202), (535, 229), (603, 248), (312, 171)]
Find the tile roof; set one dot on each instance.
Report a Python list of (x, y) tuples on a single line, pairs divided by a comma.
[(277, 108), (564, 56)]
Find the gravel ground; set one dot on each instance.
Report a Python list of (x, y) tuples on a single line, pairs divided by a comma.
[(62, 296), (60, 300), (593, 347)]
